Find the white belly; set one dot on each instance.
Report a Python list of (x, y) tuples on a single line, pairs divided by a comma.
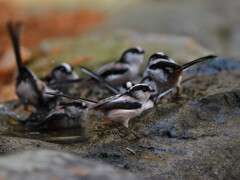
[(26, 94), (123, 115)]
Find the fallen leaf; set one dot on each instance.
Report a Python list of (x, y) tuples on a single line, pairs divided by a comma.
[(130, 150), (106, 122)]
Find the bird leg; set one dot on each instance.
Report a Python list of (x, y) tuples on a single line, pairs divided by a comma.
[(124, 134), (129, 130), (177, 94), (134, 133), (117, 127)]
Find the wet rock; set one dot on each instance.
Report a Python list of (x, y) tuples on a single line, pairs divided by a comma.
[(195, 138), (216, 65), (10, 145), (217, 109), (55, 165)]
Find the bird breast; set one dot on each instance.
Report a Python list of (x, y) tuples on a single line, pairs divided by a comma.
[(27, 94)]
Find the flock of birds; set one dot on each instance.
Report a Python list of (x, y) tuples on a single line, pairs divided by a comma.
[(162, 75)]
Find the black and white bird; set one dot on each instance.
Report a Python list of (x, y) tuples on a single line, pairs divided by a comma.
[(60, 75), (71, 114), (146, 79), (29, 89), (125, 69), (124, 88), (166, 73), (121, 108), (149, 81)]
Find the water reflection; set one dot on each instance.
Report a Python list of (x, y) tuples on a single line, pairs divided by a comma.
[(14, 124)]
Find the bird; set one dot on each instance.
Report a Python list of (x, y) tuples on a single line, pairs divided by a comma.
[(64, 72), (29, 89), (146, 79), (71, 114), (166, 73), (125, 87), (155, 97), (120, 108), (126, 69)]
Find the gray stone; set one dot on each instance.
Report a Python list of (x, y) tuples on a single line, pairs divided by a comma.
[(39, 165), (214, 66)]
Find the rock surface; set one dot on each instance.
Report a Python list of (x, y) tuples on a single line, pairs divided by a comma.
[(194, 138), (217, 65), (44, 164)]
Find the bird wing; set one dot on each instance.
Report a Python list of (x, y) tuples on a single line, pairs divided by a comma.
[(113, 69), (55, 115), (118, 102), (164, 65)]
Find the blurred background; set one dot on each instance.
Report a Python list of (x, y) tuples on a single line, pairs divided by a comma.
[(93, 32)]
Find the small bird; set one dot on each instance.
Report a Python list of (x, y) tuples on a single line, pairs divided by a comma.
[(29, 89), (166, 73), (146, 79), (125, 87), (60, 74), (125, 69), (159, 56), (155, 97), (150, 102), (149, 81), (69, 115), (121, 108)]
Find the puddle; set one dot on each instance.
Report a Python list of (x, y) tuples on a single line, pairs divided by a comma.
[(11, 125)]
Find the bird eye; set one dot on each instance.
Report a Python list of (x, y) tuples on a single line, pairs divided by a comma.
[(145, 89)]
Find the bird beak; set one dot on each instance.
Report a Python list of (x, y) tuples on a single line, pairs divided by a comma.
[(152, 90), (142, 52)]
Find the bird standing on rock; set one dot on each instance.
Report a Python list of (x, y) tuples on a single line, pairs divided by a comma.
[(166, 73), (125, 87), (122, 107)]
